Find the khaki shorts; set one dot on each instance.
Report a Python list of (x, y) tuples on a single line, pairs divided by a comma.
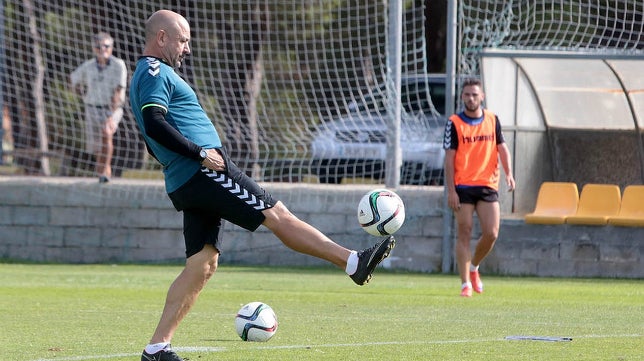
[(94, 122)]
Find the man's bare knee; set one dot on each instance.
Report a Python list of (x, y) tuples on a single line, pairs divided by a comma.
[(204, 263), (277, 214)]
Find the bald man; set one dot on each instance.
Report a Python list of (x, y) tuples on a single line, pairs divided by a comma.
[(206, 185)]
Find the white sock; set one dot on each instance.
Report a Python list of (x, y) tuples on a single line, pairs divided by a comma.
[(473, 268), (466, 284), (156, 347), (352, 263)]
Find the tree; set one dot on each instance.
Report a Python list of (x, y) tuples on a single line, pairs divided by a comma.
[(241, 81)]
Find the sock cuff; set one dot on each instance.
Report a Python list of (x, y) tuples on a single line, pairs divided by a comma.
[(156, 347), (352, 263)]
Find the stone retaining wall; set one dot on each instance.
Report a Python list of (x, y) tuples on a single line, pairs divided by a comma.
[(76, 220)]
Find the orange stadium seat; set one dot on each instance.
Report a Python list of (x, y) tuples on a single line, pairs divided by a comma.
[(597, 203), (555, 202), (631, 212)]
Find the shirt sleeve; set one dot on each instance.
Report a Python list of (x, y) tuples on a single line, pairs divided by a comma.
[(123, 77), (163, 133), (450, 138), (500, 139), (155, 90), (76, 77)]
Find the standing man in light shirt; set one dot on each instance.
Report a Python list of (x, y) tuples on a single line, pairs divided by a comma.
[(101, 81)]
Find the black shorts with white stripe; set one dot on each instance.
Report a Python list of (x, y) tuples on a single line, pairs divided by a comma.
[(210, 196)]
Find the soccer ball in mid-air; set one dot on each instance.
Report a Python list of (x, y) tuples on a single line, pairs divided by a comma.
[(381, 212), (256, 321)]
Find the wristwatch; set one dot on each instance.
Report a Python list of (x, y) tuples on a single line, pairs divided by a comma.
[(203, 154)]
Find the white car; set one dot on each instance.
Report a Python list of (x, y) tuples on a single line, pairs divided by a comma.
[(355, 145)]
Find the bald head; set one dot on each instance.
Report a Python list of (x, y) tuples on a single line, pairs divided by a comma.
[(163, 20), (167, 35)]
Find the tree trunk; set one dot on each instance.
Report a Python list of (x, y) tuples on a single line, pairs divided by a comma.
[(242, 80), (37, 90)]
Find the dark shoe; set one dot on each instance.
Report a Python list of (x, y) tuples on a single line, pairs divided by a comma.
[(369, 258), (164, 355), (103, 179)]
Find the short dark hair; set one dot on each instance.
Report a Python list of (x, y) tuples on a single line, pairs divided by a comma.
[(471, 81)]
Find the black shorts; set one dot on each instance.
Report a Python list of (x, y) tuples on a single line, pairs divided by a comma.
[(210, 196), (474, 194)]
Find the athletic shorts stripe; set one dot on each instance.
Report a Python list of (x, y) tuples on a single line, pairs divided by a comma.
[(235, 189)]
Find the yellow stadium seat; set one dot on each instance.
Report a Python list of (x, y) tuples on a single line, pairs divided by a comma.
[(631, 212), (597, 203), (555, 202)]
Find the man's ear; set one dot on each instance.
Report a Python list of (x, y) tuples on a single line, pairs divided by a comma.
[(161, 36)]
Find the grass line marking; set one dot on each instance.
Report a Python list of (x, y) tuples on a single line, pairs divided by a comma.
[(282, 347)]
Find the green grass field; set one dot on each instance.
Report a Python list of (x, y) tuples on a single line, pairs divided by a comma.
[(103, 312)]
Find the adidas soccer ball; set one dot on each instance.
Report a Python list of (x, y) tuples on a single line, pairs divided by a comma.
[(256, 321), (381, 212)]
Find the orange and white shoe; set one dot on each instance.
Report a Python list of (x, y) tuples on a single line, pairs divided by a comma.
[(466, 291), (475, 278)]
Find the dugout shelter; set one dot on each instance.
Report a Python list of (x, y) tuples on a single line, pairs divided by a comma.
[(567, 117)]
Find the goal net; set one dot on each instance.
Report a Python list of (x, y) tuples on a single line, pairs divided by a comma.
[(598, 26), (296, 88), (271, 74)]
